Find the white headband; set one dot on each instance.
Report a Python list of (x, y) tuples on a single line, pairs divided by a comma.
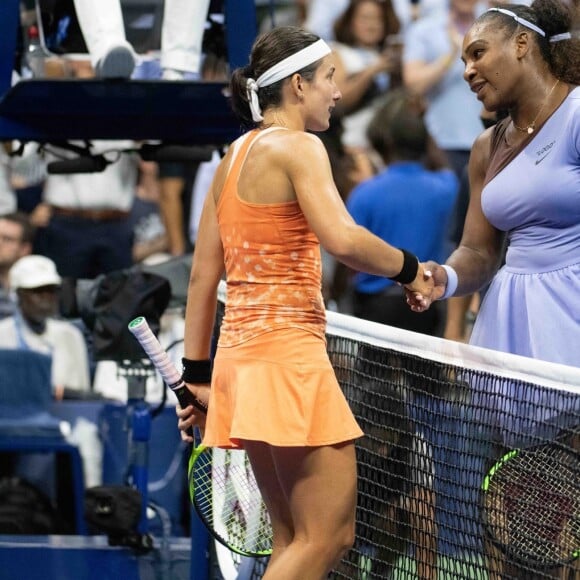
[(519, 20), (563, 36), (281, 70)]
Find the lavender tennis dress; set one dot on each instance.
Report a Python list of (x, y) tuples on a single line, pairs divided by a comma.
[(532, 307)]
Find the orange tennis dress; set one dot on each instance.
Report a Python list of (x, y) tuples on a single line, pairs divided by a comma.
[(272, 379)]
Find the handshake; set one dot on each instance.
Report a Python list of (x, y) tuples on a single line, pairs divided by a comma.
[(429, 285)]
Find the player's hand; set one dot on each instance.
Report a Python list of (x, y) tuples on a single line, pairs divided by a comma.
[(191, 416), (421, 287), (420, 301)]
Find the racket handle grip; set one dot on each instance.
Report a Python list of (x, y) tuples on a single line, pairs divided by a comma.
[(185, 397), (159, 357)]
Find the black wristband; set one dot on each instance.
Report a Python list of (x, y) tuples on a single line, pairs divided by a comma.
[(196, 371), (409, 270)]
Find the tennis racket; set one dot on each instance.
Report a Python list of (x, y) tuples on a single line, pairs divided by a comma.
[(531, 505), (222, 485)]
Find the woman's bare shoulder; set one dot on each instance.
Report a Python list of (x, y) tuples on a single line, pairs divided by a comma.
[(290, 147), (300, 144), (481, 150), (289, 136)]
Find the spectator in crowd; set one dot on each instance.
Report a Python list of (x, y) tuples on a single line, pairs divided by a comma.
[(36, 282), (409, 204), (16, 239), (366, 64), (322, 14), (150, 237), (172, 181), (432, 68), (83, 221)]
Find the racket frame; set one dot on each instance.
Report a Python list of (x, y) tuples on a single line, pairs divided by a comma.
[(514, 554)]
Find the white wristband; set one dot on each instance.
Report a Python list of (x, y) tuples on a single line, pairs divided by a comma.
[(451, 282)]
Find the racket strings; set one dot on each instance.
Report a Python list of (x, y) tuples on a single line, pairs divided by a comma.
[(533, 505), (227, 498)]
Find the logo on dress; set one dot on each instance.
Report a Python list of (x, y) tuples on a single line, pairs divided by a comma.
[(542, 153)]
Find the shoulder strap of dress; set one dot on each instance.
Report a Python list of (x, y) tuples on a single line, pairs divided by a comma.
[(500, 154), (239, 148), (242, 147), (245, 142)]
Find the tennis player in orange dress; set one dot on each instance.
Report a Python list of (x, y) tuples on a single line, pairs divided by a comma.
[(273, 390)]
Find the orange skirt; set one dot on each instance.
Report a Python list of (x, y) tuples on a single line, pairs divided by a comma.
[(279, 388)]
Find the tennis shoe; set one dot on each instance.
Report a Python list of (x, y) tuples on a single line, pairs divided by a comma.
[(117, 63)]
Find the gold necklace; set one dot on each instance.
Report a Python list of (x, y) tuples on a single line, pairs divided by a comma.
[(532, 126)]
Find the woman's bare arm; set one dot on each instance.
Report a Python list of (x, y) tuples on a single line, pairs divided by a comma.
[(339, 234), (479, 253)]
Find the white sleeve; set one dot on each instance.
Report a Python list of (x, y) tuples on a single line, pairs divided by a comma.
[(201, 186)]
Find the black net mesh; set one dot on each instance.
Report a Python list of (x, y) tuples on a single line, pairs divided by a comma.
[(434, 428)]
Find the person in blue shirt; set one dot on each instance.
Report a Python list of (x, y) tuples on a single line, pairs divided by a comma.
[(408, 204)]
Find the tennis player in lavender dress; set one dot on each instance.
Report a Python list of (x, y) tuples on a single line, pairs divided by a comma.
[(524, 177), (532, 307)]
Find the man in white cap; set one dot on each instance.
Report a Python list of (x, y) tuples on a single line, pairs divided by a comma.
[(36, 284)]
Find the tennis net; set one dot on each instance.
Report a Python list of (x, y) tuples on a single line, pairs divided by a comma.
[(469, 467)]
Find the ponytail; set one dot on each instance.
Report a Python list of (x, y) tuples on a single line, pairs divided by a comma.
[(561, 45)]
